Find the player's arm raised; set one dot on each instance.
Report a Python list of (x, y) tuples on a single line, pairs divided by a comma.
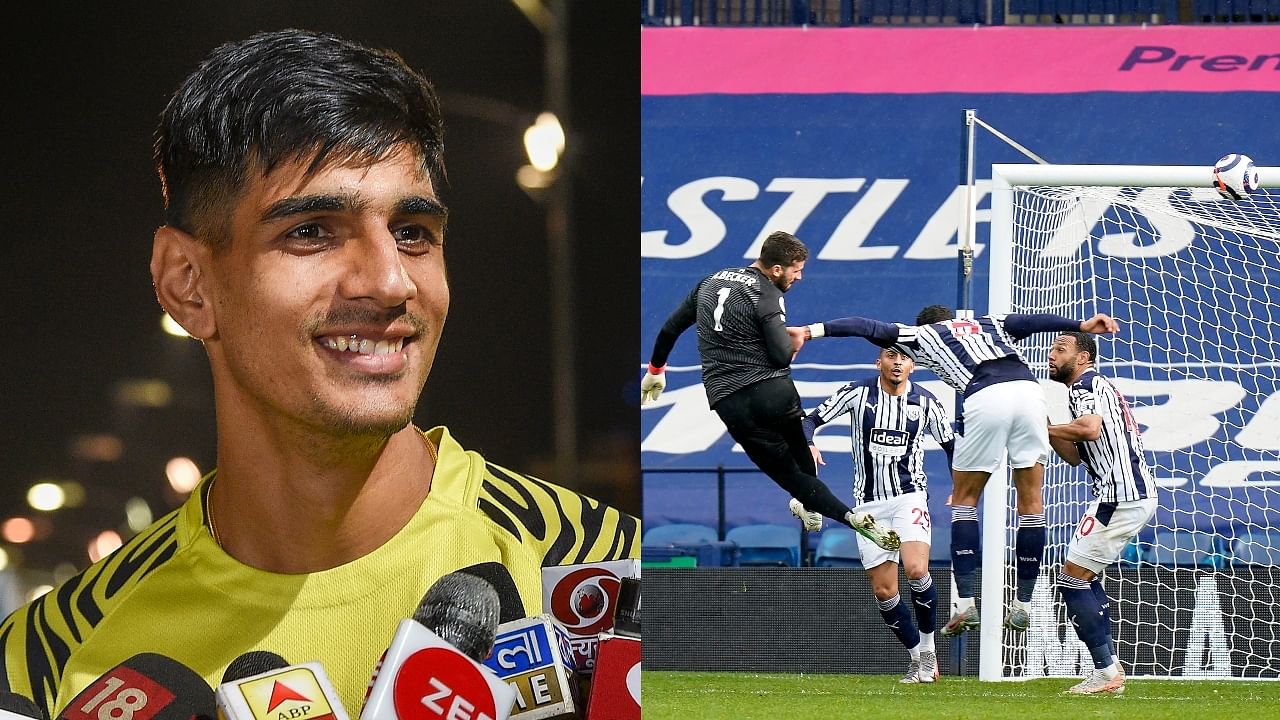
[(655, 379), (1100, 324), (1064, 437)]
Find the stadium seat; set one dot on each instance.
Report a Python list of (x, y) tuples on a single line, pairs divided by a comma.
[(1185, 547), (837, 548), (679, 534), (770, 545), (1256, 548)]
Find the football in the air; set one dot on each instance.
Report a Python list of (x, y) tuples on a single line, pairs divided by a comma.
[(1235, 177)]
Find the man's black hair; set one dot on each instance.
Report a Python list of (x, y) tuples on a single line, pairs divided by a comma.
[(933, 314), (282, 96)]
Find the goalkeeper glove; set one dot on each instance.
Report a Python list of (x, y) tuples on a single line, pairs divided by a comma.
[(654, 382)]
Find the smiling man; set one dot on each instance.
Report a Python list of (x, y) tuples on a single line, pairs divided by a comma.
[(303, 245)]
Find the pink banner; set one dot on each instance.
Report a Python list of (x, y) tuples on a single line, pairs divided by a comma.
[(741, 61)]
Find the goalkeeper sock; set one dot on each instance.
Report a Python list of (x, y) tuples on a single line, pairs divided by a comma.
[(964, 547), (924, 596), (1029, 549), (1086, 616), (898, 618)]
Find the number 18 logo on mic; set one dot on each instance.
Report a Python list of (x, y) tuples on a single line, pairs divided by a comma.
[(122, 694)]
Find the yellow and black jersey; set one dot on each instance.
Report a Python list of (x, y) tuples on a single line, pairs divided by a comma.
[(172, 590)]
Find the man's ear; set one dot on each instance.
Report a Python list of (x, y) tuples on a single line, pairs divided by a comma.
[(178, 261)]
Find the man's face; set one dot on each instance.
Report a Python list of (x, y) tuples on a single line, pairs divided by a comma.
[(1063, 359), (895, 367), (784, 277), (331, 296)]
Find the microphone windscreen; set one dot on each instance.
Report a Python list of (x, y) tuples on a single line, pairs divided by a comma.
[(463, 610), (254, 662), (510, 606), (169, 689), (20, 705)]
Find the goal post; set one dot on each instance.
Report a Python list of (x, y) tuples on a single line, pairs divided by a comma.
[(1195, 281)]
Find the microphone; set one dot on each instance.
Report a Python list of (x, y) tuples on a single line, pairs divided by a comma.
[(582, 598), (615, 687), (533, 656), (261, 685), (431, 670), (147, 686), (19, 707)]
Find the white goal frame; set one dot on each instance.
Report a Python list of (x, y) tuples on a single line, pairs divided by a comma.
[(995, 502)]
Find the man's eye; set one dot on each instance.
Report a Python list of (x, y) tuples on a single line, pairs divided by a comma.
[(414, 236), (309, 232)]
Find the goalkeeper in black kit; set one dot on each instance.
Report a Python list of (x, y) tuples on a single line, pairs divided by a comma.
[(746, 352)]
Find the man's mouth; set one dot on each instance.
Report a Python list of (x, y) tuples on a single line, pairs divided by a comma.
[(362, 345)]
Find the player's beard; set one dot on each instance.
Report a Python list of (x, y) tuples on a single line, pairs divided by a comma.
[(1063, 373)]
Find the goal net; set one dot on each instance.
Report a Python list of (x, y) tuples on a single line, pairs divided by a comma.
[(1195, 281)]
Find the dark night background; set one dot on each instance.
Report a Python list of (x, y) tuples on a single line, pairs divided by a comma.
[(81, 94)]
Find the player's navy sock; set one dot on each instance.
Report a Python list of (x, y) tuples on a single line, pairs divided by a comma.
[(964, 547), (924, 596), (1086, 615), (1105, 603), (898, 618), (1029, 549)]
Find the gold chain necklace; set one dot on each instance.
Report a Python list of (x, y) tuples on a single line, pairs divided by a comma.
[(208, 498)]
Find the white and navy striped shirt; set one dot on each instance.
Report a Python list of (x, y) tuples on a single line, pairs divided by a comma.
[(967, 354), (1115, 460), (888, 452)]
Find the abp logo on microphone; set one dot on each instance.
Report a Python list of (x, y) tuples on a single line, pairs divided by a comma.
[(438, 683), (294, 694)]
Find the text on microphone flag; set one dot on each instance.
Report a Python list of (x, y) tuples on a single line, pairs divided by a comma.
[(441, 684), (121, 694), (292, 695)]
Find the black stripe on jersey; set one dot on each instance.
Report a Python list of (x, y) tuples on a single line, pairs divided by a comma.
[(5, 630), (564, 542), (44, 666), (500, 519), (525, 511), (162, 543)]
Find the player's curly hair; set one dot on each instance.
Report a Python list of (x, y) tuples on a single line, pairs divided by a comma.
[(782, 248), (933, 314), (1084, 343), (282, 96)]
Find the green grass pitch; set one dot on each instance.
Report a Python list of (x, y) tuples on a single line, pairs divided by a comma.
[(771, 696)]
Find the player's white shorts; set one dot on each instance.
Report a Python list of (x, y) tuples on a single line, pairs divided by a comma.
[(908, 514), (1104, 530), (1008, 416)]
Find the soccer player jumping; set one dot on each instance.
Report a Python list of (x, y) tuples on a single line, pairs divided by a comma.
[(746, 350), (1001, 410), (1105, 438), (889, 415)]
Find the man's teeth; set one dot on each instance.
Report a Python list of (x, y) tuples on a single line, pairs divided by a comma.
[(352, 343)]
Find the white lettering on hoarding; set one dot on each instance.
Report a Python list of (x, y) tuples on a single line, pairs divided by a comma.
[(935, 240)]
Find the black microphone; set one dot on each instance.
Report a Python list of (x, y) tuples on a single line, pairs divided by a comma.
[(261, 685), (19, 707), (431, 670), (254, 662), (147, 686)]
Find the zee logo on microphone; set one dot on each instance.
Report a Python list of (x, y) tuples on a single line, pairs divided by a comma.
[(122, 694), (440, 684)]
